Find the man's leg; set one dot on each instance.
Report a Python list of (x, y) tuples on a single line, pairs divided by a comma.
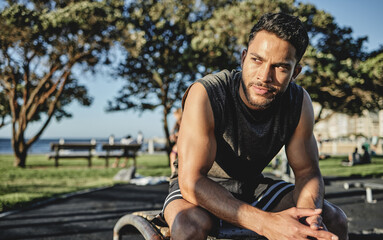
[(187, 221), (333, 217)]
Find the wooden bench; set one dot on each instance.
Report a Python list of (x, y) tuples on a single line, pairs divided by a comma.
[(150, 227), (119, 151), (72, 150)]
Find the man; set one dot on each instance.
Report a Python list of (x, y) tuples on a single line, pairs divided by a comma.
[(233, 124)]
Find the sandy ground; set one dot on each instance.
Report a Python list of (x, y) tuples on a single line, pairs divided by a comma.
[(92, 215)]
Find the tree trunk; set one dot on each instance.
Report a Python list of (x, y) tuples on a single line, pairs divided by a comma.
[(20, 159), (166, 130), (20, 152)]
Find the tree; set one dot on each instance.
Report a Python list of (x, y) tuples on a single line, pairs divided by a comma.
[(343, 86), (40, 44), (159, 62), (336, 66)]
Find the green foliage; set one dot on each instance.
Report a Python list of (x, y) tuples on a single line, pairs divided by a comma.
[(158, 63), (41, 180)]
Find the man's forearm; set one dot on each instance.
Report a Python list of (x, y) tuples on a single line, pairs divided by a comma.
[(309, 191)]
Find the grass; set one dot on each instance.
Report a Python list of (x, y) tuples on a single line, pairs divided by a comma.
[(41, 180), (333, 167)]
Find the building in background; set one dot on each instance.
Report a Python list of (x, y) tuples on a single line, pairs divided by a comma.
[(340, 133)]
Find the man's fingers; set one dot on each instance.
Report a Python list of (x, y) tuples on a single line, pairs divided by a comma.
[(315, 222), (315, 226), (318, 234), (307, 212)]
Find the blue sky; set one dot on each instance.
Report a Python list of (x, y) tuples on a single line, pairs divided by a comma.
[(363, 16)]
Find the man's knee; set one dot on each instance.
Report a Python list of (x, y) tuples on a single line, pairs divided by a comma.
[(191, 224), (337, 217), (336, 220)]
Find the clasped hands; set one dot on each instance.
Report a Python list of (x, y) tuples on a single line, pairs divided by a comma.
[(296, 223)]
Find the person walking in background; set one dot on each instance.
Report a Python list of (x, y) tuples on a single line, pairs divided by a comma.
[(173, 138)]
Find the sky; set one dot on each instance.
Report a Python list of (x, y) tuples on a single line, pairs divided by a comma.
[(363, 16)]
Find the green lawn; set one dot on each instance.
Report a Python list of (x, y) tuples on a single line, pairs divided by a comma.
[(40, 179), (333, 167)]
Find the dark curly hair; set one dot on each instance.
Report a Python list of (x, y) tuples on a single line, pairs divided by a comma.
[(286, 27)]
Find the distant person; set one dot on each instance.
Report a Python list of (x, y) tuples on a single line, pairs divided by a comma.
[(140, 138), (366, 158), (174, 136), (356, 158), (353, 158), (111, 139)]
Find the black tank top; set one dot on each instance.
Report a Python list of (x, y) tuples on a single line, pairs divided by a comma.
[(247, 140)]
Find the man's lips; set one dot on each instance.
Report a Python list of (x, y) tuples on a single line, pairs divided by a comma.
[(260, 90)]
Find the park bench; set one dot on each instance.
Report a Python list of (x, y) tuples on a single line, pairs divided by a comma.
[(150, 227), (71, 151), (367, 186), (119, 151)]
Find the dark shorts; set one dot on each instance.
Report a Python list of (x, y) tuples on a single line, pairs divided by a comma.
[(265, 195)]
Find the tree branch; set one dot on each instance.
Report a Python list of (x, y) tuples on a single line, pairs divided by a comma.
[(52, 108), (43, 81)]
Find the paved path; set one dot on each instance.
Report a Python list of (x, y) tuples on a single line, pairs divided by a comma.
[(86, 216), (92, 215)]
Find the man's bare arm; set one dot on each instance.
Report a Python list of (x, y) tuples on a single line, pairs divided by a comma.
[(303, 157), (197, 150)]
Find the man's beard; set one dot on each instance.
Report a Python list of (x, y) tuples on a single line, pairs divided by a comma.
[(267, 101)]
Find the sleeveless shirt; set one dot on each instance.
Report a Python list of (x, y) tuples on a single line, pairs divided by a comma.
[(247, 140)]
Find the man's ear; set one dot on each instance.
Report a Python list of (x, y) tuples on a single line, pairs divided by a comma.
[(243, 56), (296, 72)]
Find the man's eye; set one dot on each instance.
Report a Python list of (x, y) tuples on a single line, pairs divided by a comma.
[(283, 68)]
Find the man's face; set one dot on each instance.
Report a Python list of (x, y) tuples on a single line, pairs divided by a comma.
[(268, 65)]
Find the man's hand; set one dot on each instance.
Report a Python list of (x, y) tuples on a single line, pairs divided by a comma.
[(286, 225), (315, 222)]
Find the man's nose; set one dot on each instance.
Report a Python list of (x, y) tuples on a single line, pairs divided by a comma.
[(265, 73)]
